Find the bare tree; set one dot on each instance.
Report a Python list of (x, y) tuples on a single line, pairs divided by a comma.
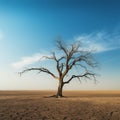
[(72, 58)]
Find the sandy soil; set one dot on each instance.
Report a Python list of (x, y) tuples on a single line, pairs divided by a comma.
[(77, 105)]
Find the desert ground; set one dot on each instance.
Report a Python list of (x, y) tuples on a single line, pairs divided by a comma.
[(76, 105)]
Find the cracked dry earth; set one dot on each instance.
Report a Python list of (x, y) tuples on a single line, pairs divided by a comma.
[(78, 105)]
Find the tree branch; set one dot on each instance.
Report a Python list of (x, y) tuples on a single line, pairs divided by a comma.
[(86, 75), (61, 47), (40, 70), (87, 58)]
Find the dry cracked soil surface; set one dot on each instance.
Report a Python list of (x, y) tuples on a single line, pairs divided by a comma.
[(77, 105)]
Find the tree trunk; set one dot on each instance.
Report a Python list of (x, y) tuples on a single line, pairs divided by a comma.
[(60, 88)]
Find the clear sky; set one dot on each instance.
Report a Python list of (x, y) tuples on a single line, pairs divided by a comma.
[(28, 29)]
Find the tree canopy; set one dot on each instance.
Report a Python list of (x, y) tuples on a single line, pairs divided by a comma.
[(72, 58)]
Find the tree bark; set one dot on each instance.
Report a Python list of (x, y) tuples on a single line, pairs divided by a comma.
[(60, 88)]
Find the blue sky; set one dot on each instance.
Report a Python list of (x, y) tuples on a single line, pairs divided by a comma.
[(28, 29)]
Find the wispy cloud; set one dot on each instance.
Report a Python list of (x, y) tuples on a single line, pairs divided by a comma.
[(100, 41), (28, 60)]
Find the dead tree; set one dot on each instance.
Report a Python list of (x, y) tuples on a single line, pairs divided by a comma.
[(72, 58)]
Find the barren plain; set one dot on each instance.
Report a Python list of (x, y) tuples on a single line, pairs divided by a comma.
[(76, 105)]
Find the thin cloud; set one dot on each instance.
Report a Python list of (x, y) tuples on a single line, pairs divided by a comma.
[(100, 41), (28, 60)]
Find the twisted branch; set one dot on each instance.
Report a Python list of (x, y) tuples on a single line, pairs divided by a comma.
[(40, 70)]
